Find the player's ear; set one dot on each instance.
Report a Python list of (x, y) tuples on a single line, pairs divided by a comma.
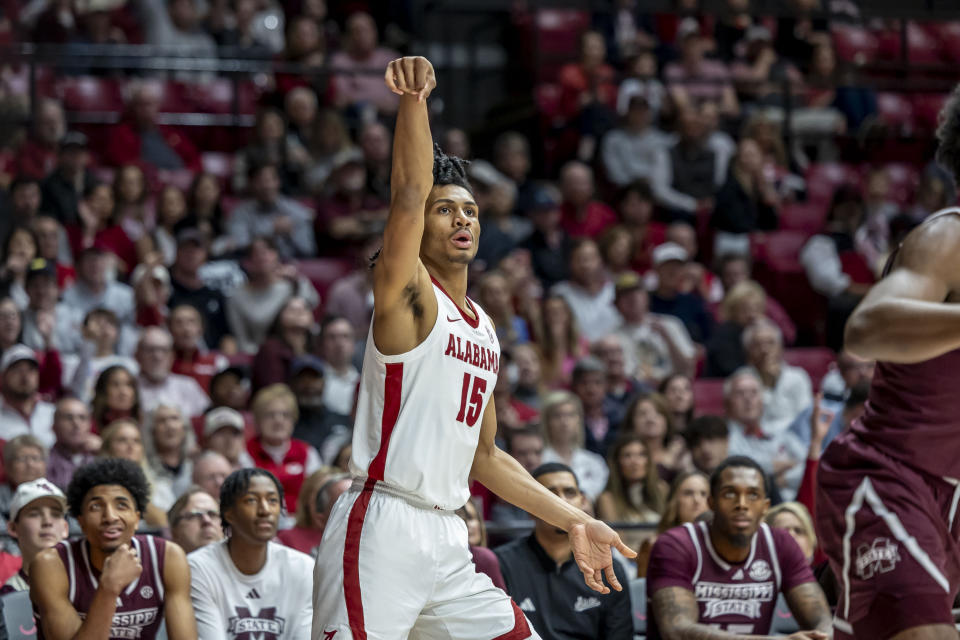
[(12, 529)]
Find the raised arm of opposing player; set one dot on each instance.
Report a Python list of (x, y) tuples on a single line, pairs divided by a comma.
[(590, 539), (903, 318)]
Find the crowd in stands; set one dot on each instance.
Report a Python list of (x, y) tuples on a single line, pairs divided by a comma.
[(197, 322)]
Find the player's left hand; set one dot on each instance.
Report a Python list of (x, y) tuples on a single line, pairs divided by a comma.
[(591, 544)]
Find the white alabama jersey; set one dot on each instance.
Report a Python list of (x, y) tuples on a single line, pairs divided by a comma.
[(419, 412)]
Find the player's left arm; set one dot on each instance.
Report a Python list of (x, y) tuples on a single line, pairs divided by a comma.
[(809, 607), (177, 607), (591, 539)]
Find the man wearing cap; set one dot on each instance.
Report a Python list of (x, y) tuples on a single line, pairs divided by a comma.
[(71, 178), (223, 432), (188, 288), (268, 213), (318, 426), (549, 245), (21, 409), (589, 291), (669, 260), (47, 323), (158, 385), (37, 521), (659, 344), (630, 152), (191, 358)]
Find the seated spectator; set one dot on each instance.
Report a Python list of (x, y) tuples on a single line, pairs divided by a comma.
[(694, 78), (37, 521), (525, 445), (94, 289), (116, 395), (635, 206), (559, 338), (23, 207), (270, 144), (151, 291), (541, 574), (601, 415), (139, 139), (97, 228), (588, 93), (617, 246), (659, 344), (274, 448), (19, 250), (589, 292), (122, 439), (300, 109), (362, 52), (223, 574), (304, 46), (630, 152), (634, 492), (328, 141), (47, 322), (157, 384), (708, 439), (130, 195), (649, 417), (581, 213), (376, 143), (160, 246), (735, 268), (511, 413), (669, 260), (37, 156), (529, 387), (352, 295), (747, 202), (641, 81), (779, 162), (619, 385), (495, 298), (323, 429), (24, 460), (794, 518), (75, 445), (205, 212), (830, 85), (187, 288), (52, 246), (502, 231), (290, 337), (780, 453), (348, 213), (677, 391), (210, 469), (688, 173), (743, 305), (191, 357), (169, 443), (223, 433), (22, 412), (341, 377), (511, 157), (564, 430), (741, 543), (484, 559), (760, 76), (549, 244), (841, 261), (254, 306), (307, 531), (70, 179), (230, 388), (176, 27), (65, 599), (195, 520), (787, 390), (687, 500)]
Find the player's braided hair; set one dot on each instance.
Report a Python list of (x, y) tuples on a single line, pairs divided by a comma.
[(948, 134)]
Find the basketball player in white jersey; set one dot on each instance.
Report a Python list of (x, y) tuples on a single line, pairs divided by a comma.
[(394, 560)]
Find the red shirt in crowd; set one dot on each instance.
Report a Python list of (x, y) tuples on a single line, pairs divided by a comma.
[(124, 146), (113, 239), (595, 219), (35, 160), (199, 366), (291, 471), (300, 538)]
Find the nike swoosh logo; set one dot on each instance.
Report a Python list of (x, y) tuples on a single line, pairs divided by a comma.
[(449, 319)]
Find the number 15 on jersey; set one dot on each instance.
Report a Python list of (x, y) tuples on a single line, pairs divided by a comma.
[(471, 399)]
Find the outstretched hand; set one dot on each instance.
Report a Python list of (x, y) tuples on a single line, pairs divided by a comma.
[(412, 75), (591, 544)]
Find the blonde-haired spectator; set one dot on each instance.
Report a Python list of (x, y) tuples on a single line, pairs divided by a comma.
[(795, 519), (122, 439)]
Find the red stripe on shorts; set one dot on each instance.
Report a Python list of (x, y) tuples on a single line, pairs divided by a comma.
[(520, 629), (392, 387), (351, 561)]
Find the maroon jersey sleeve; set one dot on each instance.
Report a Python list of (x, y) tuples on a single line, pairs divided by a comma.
[(794, 566), (673, 561)]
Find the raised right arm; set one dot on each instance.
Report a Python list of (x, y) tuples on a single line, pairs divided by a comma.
[(904, 317)]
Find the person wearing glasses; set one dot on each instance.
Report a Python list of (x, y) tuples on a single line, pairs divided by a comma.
[(195, 520)]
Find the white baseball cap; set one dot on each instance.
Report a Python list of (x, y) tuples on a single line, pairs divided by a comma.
[(34, 490), (669, 251), (15, 354), (222, 417)]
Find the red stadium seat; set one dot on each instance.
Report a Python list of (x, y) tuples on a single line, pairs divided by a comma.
[(896, 111), (323, 272), (558, 31), (547, 97), (922, 47), (173, 98), (948, 33), (855, 44), (926, 109), (807, 217), (84, 93), (823, 179), (815, 361), (708, 396), (217, 96)]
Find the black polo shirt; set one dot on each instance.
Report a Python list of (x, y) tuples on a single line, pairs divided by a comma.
[(556, 599)]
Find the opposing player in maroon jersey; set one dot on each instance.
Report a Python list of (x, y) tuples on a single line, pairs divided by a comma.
[(888, 489), (720, 581), (111, 584)]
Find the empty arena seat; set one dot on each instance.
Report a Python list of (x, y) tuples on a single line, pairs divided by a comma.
[(547, 96), (16, 614), (854, 44), (778, 247), (87, 93), (323, 272), (824, 178), (638, 601), (895, 110), (948, 34), (217, 96), (807, 217), (708, 396), (815, 361), (558, 30), (922, 47), (783, 621), (926, 109)]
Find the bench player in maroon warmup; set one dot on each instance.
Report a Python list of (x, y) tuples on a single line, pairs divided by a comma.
[(111, 584), (888, 488)]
